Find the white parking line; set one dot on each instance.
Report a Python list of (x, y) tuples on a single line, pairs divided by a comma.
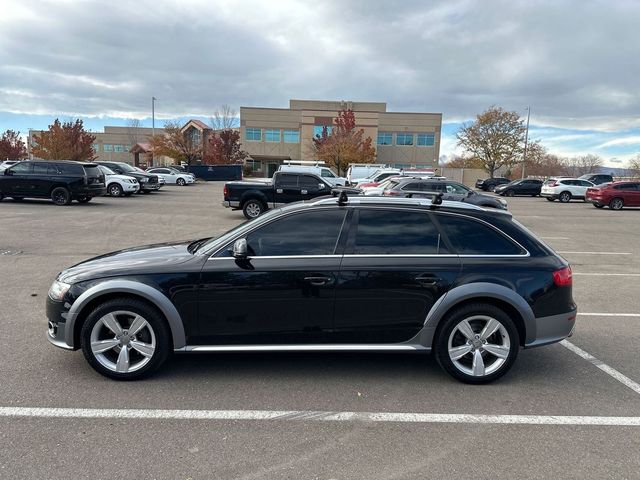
[(596, 314), (602, 366), (599, 253), (555, 238), (305, 415), (608, 274)]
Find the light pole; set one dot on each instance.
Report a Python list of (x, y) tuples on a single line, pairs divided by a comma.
[(526, 141), (153, 123)]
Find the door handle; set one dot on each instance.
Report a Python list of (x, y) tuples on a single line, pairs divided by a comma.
[(278, 190), (427, 280), (318, 281), (303, 192)]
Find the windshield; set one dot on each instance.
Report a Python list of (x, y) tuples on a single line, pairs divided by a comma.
[(126, 167), (107, 170)]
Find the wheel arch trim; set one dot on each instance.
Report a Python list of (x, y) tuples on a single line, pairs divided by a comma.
[(479, 291), (144, 291)]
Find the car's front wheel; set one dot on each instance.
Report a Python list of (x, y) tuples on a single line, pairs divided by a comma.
[(509, 193), (181, 182), (616, 204), (565, 197), (477, 343), (125, 339)]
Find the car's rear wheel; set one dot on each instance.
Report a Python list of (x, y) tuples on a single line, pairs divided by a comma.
[(565, 197), (509, 193), (477, 343), (181, 182), (253, 208), (61, 196), (125, 339), (616, 204), (114, 190)]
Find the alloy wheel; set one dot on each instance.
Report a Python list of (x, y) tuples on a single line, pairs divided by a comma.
[(123, 341), (479, 345), (616, 204)]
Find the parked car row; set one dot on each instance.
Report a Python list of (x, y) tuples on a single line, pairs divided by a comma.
[(64, 181)]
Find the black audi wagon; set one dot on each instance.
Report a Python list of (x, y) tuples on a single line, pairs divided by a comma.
[(469, 284)]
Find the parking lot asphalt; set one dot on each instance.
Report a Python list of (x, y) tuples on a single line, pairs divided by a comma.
[(38, 239)]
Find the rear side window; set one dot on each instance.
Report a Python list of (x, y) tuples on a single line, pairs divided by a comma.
[(471, 237), (69, 169), (287, 181), (316, 233), (40, 168), (380, 232), (92, 171)]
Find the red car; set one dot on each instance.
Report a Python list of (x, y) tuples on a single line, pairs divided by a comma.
[(616, 195)]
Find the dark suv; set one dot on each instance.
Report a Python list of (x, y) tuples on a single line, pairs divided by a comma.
[(62, 181), (334, 274), (148, 182), (527, 186), (488, 184), (450, 190)]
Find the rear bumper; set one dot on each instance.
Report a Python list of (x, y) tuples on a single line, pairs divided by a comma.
[(230, 204), (553, 329), (89, 192)]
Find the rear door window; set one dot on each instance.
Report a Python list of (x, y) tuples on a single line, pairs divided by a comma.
[(287, 181), (472, 237), (40, 168), (383, 232)]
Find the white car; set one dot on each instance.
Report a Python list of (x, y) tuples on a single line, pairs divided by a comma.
[(118, 185), (173, 176), (363, 170), (564, 189), (6, 164), (377, 176)]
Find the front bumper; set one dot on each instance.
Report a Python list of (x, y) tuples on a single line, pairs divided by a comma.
[(57, 322), (131, 187), (554, 328), (149, 187)]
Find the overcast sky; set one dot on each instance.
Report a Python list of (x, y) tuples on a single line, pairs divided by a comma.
[(575, 62)]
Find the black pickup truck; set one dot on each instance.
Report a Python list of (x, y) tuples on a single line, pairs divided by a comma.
[(254, 197)]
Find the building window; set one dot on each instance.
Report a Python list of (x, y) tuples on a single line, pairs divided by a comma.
[(107, 147), (272, 135), (96, 147), (291, 136), (256, 165), (118, 148), (426, 139), (385, 138), (404, 139), (317, 130), (195, 136), (402, 166), (253, 134)]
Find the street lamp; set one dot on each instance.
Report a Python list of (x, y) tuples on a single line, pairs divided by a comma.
[(153, 122), (526, 140)]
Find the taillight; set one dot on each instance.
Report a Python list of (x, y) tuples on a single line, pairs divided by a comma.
[(225, 192), (391, 193), (551, 184), (563, 277)]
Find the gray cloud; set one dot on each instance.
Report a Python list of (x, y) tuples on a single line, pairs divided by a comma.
[(574, 62)]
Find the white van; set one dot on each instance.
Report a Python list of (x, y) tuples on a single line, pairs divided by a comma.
[(318, 168), (363, 170)]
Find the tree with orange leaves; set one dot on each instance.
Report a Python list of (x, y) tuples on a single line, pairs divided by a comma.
[(64, 141), (344, 144)]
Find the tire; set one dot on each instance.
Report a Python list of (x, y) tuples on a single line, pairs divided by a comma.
[(549, 199), (616, 204), (564, 197), (253, 209), (61, 196), (114, 189), (181, 182), (144, 351), (509, 193), (492, 365), (597, 205), (84, 199)]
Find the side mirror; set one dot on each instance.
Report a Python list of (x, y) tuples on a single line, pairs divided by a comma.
[(8, 172), (240, 249)]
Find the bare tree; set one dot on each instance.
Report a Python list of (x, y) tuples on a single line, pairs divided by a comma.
[(224, 118), (495, 138), (133, 130), (634, 166), (582, 164)]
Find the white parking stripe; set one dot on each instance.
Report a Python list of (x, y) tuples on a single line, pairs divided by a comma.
[(303, 415), (599, 253), (555, 238), (594, 314), (602, 366), (608, 274)]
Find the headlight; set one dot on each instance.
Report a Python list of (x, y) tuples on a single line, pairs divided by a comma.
[(58, 290), (144, 180)]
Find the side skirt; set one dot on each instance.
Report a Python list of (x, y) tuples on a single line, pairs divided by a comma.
[(347, 347)]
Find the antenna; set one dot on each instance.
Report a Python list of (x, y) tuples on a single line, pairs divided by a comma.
[(343, 199)]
